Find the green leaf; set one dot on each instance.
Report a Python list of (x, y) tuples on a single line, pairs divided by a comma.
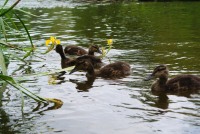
[(2, 63), (26, 29), (6, 1), (26, 12), (19, 87), (7, 78), (9, 9), (2, 27), (51, 47), (27, 54)]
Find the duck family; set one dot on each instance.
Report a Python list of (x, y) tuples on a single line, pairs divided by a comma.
[(89, 62), (94, 67), (67, 62)]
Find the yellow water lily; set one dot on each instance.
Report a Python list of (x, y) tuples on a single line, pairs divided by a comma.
[(52, 40), (109, 41)]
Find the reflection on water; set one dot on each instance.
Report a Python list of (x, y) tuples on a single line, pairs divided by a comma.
[(83, 86), (145, 35)]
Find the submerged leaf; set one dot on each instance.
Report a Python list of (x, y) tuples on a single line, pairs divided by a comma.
[(57, 103)]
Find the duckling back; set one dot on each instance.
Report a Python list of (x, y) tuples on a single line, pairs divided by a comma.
[(180, 83), (183, 83), (75, 50), (115, 70), (65, 62), (96, 61)]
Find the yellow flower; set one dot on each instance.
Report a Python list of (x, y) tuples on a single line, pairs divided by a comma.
[(57, 42), (47, 42), (52, 40), (109, 41)]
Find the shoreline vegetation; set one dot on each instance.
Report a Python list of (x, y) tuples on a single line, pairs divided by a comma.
[(7, 24)]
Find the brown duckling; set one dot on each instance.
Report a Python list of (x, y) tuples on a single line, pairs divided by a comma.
[(96, 61), (180, 83), (67, 62), (112, 71), (76, 50)]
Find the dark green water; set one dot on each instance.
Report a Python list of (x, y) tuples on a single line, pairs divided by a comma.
[(145, 35)]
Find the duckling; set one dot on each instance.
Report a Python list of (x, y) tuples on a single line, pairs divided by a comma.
[(111, 71), (180, 83), (67, 62), (75, 50), (96, 61)]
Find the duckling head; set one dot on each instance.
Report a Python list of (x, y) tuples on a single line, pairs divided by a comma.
[(160, 71), (59, 48), (95, 48)]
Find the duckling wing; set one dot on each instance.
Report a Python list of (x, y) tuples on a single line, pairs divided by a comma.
[(184, 82), (67, 63), (96, 62), (115, 70)]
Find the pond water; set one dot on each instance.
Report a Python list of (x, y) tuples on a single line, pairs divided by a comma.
[(145, 35)]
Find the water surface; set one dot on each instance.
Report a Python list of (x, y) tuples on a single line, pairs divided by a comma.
[(145, 35)]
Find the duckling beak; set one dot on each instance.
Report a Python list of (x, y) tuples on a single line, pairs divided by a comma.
[(99, 51), (149, 77), (73, 70)]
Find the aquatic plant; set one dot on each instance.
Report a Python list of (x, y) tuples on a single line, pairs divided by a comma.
[(52, 42), (107, 48), (8, 25)]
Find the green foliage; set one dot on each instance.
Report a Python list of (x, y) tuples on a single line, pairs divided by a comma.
[(7, 24), (19, 87)]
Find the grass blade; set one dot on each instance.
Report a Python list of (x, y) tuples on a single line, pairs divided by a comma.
[(26, 29), (6, 1), (26, 12), (12, 82), (9, 9), (28, 53), (3, 28), (2, 63)]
